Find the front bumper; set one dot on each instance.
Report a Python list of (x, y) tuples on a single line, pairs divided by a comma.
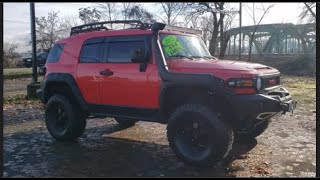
[(286, 102), (251, 110)]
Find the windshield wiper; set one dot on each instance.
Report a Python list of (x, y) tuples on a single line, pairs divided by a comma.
[(205, 57), (182, 56), (210, 57), (196, 56)]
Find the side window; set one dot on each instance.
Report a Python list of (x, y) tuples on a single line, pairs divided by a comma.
[(55, 53), (121, 52), (91, 53)]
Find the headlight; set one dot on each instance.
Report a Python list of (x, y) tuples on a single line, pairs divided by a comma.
[(259, 84), (243, 85), (240, 83)]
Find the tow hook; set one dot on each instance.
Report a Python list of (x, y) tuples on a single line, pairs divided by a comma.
[(289, 107), (285, 108)]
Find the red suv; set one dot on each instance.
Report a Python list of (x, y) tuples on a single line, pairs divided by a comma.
[(159, 73)]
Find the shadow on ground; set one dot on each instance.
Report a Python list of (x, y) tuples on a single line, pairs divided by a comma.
[(37, 154)]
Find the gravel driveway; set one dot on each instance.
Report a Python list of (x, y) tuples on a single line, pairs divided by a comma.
[(287, 148)]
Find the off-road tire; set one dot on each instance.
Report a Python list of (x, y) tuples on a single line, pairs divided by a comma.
[(219, 138), (73, 121)]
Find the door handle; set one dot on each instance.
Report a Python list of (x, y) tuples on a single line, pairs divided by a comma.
[(106, 72)]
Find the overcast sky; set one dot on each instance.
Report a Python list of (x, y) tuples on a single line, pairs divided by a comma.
[(16, 16)]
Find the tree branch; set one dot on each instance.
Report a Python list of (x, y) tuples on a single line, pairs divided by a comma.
[(310, 10)]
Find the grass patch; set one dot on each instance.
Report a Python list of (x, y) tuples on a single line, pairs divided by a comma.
[(285, 79), (302, 85), (303, 89), (15, 73)]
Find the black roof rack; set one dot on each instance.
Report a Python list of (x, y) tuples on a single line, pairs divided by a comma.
[(100, 26), (135, 24)]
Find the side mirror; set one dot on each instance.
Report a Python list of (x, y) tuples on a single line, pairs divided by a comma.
[(143, 67), (42, 71), (138, 55)]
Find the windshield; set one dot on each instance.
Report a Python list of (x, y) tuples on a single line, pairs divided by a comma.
[(183, 46)]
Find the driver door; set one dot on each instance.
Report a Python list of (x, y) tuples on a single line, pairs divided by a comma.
[(124, 84)]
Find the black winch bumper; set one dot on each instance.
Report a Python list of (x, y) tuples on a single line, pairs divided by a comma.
[(250, 110)]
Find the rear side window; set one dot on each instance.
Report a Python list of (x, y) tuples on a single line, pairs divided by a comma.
[(91, 53), (55, 53), (121, 51)]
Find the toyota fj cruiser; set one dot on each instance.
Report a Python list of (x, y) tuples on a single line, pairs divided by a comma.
[(159, 73)]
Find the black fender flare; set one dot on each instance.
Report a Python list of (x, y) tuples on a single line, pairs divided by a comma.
[(213, 84), (67, 79)]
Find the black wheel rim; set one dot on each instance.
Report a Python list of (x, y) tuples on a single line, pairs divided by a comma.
[(58, 119), (193, 137)]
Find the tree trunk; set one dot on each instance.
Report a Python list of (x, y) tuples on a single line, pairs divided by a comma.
[(214, 37), (223, 49), (222, 41), (250, 45)]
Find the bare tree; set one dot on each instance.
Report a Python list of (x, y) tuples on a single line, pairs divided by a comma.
[(220, 6), (202, 23), (228, 24), (109, 11), (67, 23), (216, 10), (229, 21), (137, 12), (48, 30), (125, 7), (88, 15), (265, 11), (10, 55), (172, 11), (307, 15), (192, 22), (308, 12), (206, 27)]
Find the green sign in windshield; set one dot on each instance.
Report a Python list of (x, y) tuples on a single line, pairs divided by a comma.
[(171, 45)]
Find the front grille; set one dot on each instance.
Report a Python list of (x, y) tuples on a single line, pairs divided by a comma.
[(270, 81)]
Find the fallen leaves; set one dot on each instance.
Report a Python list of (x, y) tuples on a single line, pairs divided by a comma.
[(20, 99)]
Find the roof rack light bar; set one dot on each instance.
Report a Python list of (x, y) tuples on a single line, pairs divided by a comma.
[(182, 29)]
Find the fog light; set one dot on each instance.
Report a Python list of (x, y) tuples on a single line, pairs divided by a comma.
[(259, 84)]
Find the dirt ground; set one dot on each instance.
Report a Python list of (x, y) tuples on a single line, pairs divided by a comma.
[(286, 149), (15, 86)]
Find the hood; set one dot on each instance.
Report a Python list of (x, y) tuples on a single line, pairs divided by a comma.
[(224, 69)]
